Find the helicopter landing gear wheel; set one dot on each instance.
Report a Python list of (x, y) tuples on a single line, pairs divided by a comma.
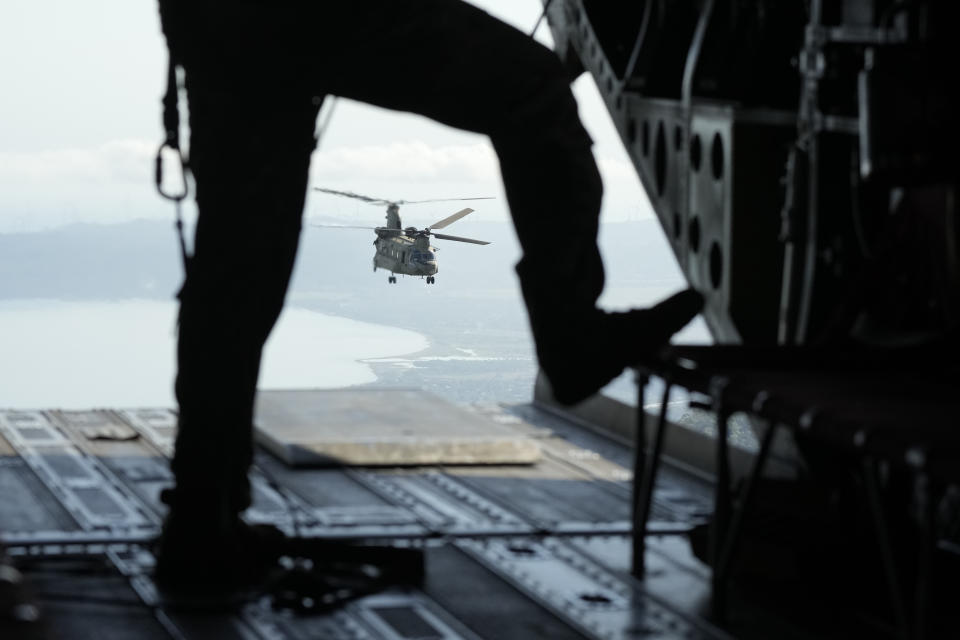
[(392, 279), (431, 280)]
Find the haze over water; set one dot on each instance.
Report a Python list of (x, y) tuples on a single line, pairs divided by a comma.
[(122, 354), (87, 315)]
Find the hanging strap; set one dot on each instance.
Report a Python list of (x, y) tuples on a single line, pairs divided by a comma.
[(171, 125), (543, 14)]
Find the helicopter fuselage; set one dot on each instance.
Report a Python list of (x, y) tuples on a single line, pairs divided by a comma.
[(407, 251), (405, 255)]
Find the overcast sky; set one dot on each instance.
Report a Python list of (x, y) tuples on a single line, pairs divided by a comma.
[(80, 122)]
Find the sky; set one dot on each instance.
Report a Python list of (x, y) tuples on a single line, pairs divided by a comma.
[(80, 123)]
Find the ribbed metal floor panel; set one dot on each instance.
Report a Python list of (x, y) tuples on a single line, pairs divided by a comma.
[(512, 551)]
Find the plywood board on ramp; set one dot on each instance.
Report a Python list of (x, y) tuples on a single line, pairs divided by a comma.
[(392, 427)]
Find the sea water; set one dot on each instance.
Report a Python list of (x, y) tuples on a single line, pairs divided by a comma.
[(59, 354)]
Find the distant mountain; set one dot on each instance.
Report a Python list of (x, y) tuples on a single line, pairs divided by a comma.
[(86, 261), (141, 259)]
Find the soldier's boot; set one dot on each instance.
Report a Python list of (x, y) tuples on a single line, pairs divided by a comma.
[(580, 350), (208, 557)]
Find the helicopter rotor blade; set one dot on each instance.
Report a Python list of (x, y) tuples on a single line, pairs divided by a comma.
[(383, 231), (451, 219), (443, 236), (442, 200), (381, 201), (340, 226), (356, 196)]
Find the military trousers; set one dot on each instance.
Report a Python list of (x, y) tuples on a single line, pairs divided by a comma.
[(256, 73)]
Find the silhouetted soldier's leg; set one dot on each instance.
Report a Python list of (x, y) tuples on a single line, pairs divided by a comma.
[(250, 146), (250, 160), (452, 62)]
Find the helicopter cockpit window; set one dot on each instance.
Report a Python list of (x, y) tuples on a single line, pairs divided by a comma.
[(422, 256)]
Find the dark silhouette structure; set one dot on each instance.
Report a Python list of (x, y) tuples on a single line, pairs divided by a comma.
[(256, 75), (801, 158)]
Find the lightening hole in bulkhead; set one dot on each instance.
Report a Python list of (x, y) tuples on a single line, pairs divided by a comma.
[(716, 156), (693, 234), (660, 160), (696, 153), (716, 265)]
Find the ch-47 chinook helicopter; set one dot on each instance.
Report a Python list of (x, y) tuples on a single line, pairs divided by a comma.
[(406, 251)]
